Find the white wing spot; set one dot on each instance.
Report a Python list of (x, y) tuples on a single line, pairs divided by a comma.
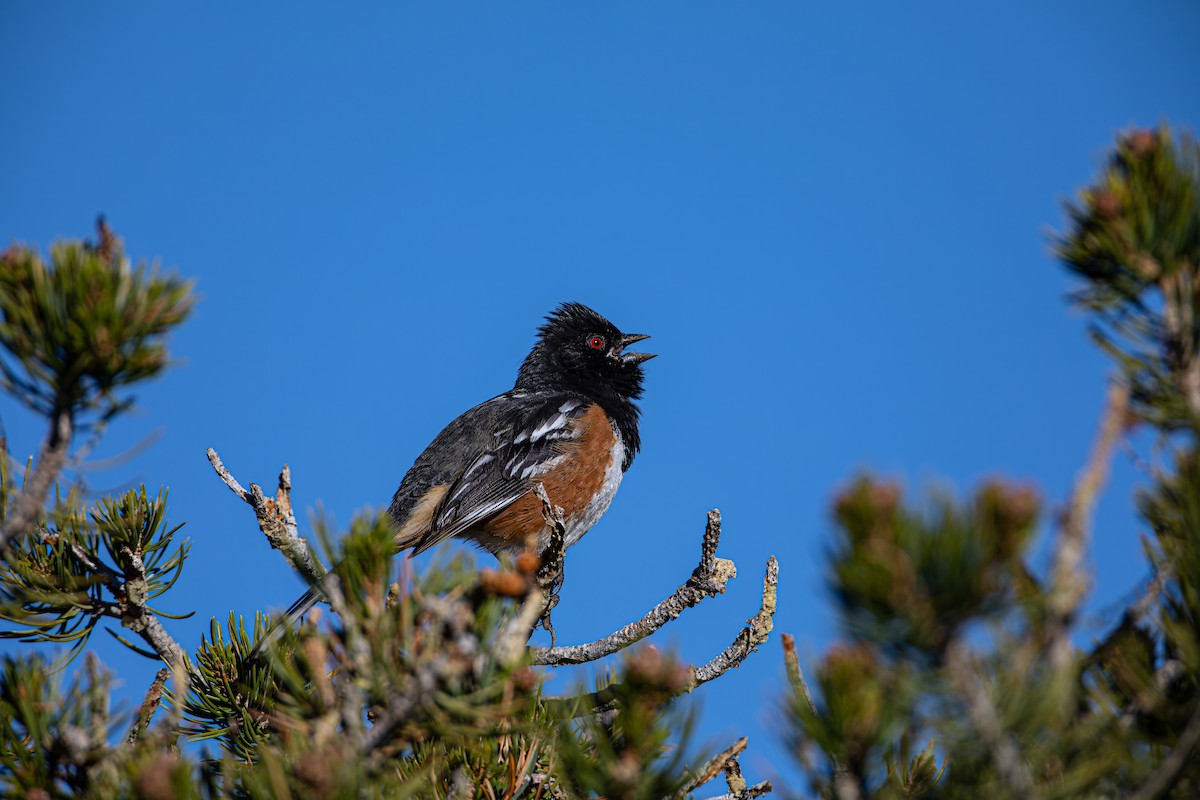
[(539, 468), (484, 459), (546, 427)]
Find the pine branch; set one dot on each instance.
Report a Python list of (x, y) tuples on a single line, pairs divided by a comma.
[(51, 458), (130, 607), (708, 580)]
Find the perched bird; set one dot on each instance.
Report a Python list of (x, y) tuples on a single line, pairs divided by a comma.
[(569, 423)]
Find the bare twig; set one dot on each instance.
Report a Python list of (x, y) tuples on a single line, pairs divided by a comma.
[(1168, 770), (225, 476), (708, 580), (711, 768), (986, 721), (181, 680), (276, 519), (795, 675), (844, 784), (149, 706), (748, 640), (757, 629), (1068, 579), (51, 458)]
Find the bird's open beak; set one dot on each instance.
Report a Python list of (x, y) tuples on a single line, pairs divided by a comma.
[(633, 358)]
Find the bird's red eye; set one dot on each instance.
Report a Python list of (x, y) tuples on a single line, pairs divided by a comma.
[(596, 342)]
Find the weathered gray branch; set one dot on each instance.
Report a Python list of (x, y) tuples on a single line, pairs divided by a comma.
[(795, 675), (51, 457), (738, 790), (757, 790), (751, 637), (1068, 578), (708, 580), (276, 518), (711, 769), (748, 640), (149, 705)]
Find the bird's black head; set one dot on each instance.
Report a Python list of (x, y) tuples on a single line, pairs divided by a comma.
[(581, 351)]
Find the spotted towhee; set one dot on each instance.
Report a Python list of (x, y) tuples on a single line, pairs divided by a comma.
[(569, 423)]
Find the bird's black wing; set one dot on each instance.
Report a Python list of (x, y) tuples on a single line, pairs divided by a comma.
[(531, 437), (505, 443)]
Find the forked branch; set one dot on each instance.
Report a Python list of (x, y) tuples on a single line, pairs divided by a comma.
[(749, 639), (707, 580), (276, 518)]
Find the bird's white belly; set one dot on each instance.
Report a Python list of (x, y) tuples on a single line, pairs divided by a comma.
[(579, 524)]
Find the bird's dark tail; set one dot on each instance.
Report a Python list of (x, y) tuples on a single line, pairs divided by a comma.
[(297, 610)]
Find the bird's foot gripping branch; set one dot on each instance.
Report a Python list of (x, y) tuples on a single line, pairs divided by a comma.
[(434, 656)]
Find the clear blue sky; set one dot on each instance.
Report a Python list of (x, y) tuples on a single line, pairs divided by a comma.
[(833, 218)]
